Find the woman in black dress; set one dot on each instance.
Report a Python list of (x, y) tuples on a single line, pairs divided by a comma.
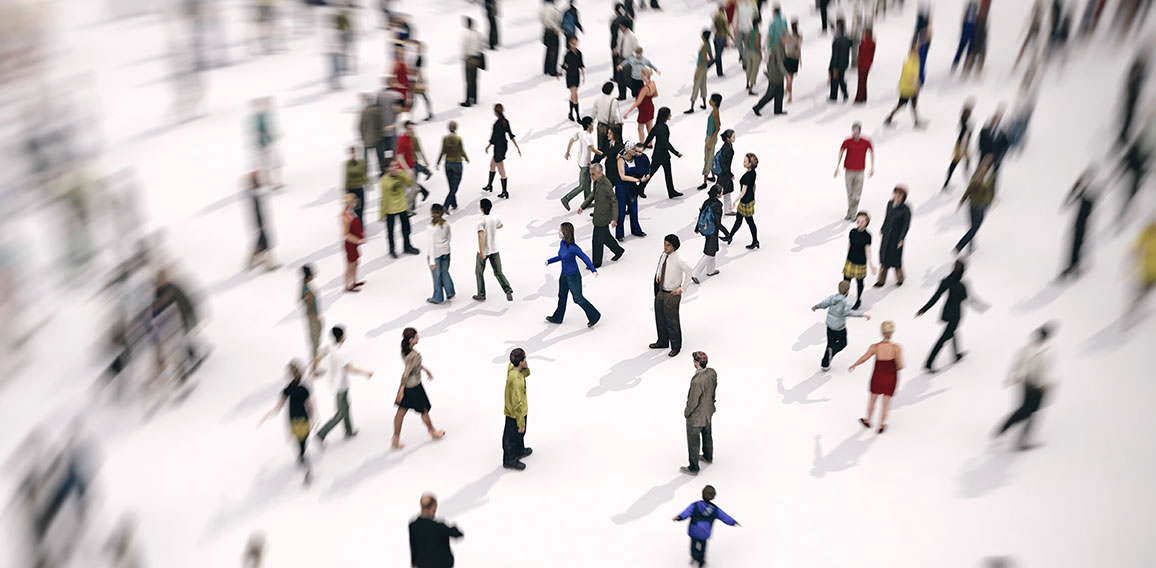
[(410, 394), (660, 158), (858, 255), (712, 207), (891, 236), (746, 207), (575, 75), (498, 136), (300, 409), (727, 177)]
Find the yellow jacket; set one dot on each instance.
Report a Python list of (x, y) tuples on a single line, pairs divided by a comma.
[(516, 404), (1146, 248), (393, 193), (909, 78)]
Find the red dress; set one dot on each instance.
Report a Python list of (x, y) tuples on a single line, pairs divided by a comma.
[(401, 71), (646, 109), (884, 378), (357, 231)]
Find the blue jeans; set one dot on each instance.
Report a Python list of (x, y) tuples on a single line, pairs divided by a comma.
[(977, 214), (572, 283), (627, 200), (454, 176), (441, 278), (965, 36)]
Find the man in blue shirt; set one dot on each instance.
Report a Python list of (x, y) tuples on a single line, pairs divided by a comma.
[(838, 310), (702, 515)]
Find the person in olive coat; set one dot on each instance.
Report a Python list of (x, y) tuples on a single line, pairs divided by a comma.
[(605, 209), (892, 235)]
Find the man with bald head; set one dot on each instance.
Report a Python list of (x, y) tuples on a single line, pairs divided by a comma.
[(429, 540)]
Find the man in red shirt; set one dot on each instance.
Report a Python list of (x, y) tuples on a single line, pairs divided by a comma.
[(856, 148)]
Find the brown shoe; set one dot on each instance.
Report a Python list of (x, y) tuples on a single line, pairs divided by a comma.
[(673, 353), (658, 346)]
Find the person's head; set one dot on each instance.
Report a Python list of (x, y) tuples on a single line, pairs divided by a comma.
[(638, 52), (708, 493), (437, 214), (957, 270), (887, 329), (706, 36), (452, 126), (353, 152), (255, 549), (587, 123), (840, 27), (700, 359), (670, 243), (518, 357), (486, 205), (408, 340), (862, 219), (619, 9), (715, 100), (844, 287), (646, 73), (856, 130), (469, 22), (566, 232), (572, 43), (663, 115), (595, 172), (899, 194), (1044, 332), (756, 21), (777, 10), (607, 87), (795, 26), (429, 505), (614, 133), (728, 135), (623, 27), (751, 161), (306, 273), (338, 334), (350, 201), (715, 191), (499, 111), (293, 369)]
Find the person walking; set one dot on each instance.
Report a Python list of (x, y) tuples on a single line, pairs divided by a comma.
[(356, 179), (865, 58), (341, 367), (702, 63), (1033, 368), (633, 168), (498, 135), (414, 162), (823, 6), (410, 394), (571, 22), (838, 311), (746, 207), (492, 19), (1083, 193), (888, 363), (713, 126), (487, 230), (1035, 24), (792, 56), (961, 151), (722, 32), (993, 139), (726, 175), (454, 151), (754, 55), (438, 255), (395, 206), (570, 280), (266, 134), (372, 131), (392, 104), (420, 84), (516, 410), (909, 85), (551, 18), (922, 38), (840, 60), (605, 206), (966, 32), (709, 225), (855, 148), (670, 279), (300, 409), (858, 255), (776, 72), (702, 515), (607, 113), (312, 315), (698, 413), (352, 236), (979, 195), (745, 14), (586, 151), (891, 236), (977, 50), (952, 314), (575, 75), (472, 46), (637, 64), (626, 47), (262, 248), (429, 538), (660, 137), (645, 104)]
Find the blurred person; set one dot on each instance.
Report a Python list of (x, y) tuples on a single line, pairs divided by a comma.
[(454, 151), (551, 18), (575, 75), (838, 311), (700, 399), (702, 515), (923, 38), (472, 44), (726, 175), (977, 50), (1137, 159), (713, 127), (744, 24), (909, 85), (429, 539), (394, 206), (754, 55), (372, 130), (605, 205), (961, 152), (267, 25), (1034, 369), (492, 18), (391, 104), (892, 235), (967, 31), (571, 23), (1144, 249), (721, 33), (1035, 24), (346, 34), (255, 551), (341, 367), (498, 135), (438, 255), (671, 277), (1021, 117), (866, 57), (266, 136), (312, 306), (792, 56), (626, 48), (400, 72), (356, 178), (410, 393), (957, 294), (993, 140), (352, 236), (122, 547), (1083, 193), (570, 279), (823, 7), (855, 148), (840, 60), (776, 72), (1133, 86), (413, 161), (516, 410), (978, 195), (300, 410), (171, 294), (263, 249), (1093, 9), (420, 83), (55, 497), (888, 363)]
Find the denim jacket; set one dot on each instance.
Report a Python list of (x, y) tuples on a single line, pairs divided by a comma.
[(838, 310)]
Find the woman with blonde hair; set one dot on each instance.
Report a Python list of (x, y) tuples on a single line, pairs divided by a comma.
[(438, 254), (645, 104), (353, 235), (888, 363), (410, 394)]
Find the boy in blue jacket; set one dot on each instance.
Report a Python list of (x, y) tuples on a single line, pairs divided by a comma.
[(702, 515)]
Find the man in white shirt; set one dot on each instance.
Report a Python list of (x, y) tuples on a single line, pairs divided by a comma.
[(488, 227), (744, 25), (671, 277), (551, 18), (472, 45), (1032, 368), (607, 114), (627, 44), (586, 151), (341, 367)]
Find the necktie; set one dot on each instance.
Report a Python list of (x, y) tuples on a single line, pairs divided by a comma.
[(662, 272)]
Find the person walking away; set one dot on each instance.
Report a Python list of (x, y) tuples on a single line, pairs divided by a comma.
[(551, 19), (472, 55), (823, 4), (410, 394), (1083, 193), (777, 71), (492, 19), (570, 280), (966, 32), (571, 22), (909, 85), (516, 410), (702, 515), (438, 255), (888, 363), (312, 315), (263, 248), (891, 236), (627, 45), (709, 225), (699, 410), (605, 206), (754, 56), (372, 131), (702, 62), (865, 59), (356, 179), (607, 113), (414, 162), (838, 311), (961, 151), (670, 279), (713, 126), (840, 60), (341, 368), (394, 206), (300, 409), (660, 136), (498, 135), (922, 38), (979, 195), (454, 151), (1034, 369), (429, 539), (793, 56), (855, 148), (586, 151), (487, 230)]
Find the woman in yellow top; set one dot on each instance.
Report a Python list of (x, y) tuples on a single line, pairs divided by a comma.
[(908, 85)]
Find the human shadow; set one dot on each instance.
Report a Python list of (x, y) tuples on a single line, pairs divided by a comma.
[(800, 393), (308, 99), (815, 335), (267, 488), (950, 220), (844, 110), (932, 276), (934, 203), (546, 228), (985, 474), (538, 342), (219, 204), (515, 88), (1116, 334), (558, 127), (821, 236), (1050, 292), (330, 195), (457, 315), (844, 456), (549, 289), (627, 374), (915, 391), (371, 468), (471, 496), (873, 295), (650, 501), (263, 396)]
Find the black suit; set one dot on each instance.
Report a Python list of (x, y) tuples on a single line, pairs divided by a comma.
[(492, 17), (429, 543), (952, 313)]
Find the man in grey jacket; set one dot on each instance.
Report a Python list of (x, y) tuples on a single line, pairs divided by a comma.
[(372, 131), (838, 310), (698, 412), (605, 208), (776, 74)]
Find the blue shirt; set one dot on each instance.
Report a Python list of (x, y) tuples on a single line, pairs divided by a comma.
[(636, 65), (566, 254), (838, 310), (707, 513)]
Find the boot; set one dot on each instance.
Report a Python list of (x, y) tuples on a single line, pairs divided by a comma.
[(490, 183), (898, 276), (882, 277)]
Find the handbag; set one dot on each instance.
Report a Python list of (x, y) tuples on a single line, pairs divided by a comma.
[(481, 61)]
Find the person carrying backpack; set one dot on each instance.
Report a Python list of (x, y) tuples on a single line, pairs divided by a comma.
[(709, 225), (702, 515)]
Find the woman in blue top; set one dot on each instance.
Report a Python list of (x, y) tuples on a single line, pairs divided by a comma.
[(571, 280)]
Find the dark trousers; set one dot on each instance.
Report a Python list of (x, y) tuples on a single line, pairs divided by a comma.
[(627, 204), (603, 238), (836, 342), (602, 143), (472, 64), (1078, 235), (343, 416), (838, 83), (948, 333), (621, 77), (977, 214), (572, 284), (1135, 163), (1033, 399), (513, 442), (750, 223), (635, 86), (823, 13), (492, 17), (379, 150), (454, 177), (358, 209), (550, 65), (964, 41), (666, 319), (656, 163), (861, 88), (404, 218), (720, 43), (774, 92), (698, 551), (694, 434)]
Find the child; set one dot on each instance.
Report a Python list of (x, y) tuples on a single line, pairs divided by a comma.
[(702, 515), (837, 313), (858, 256)]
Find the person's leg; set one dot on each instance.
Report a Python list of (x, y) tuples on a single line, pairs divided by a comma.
[(953, 326), (858, 292), (735, 227), (314, 340), (699, 269), (766, 98), (833, 83), (778, 96), (870, 408), (520, 437), (509, 441), (754, 230), (405, 232), (964, 39), (447, 281), (840, 341), (660, 319), (948, 331), (635, 227), (829, 350), (670, 191), (609, 241), (480, 274), (951, 169), (673, 323), (560, 311), (389, 220), (692, 438), (346, 414), (398, 418), (843, 83), (1020, 414), (719, 46), (854, 181), (707, 443), (977, 214), (708, 156), (575, 285), (596, 246), (332, 423), (454, 177), (622, 194), (435, 272), (425, 419), (496, 264), (883, 411)]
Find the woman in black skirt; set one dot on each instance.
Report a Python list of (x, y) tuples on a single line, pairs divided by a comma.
[(575, 75), (410, 394), (892, 235), (498, 142)]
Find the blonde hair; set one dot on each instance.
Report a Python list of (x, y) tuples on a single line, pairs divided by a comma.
[(888, 329), (754, 160)]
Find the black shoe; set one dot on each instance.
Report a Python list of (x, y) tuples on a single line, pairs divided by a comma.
[(488, 188), (673, 353), (960, 355), (552, 320), (509, 296), (755, 245), (703, 186), (857, 304), (525, 452), (515, 465), (425, 192), (412, 250), (618, 256), (465, 105), (756, 111), (688, 471), (639, 234), (689, 111), (780, 112), (706, 459), (591, 323), (657, 345), (878, 285), (930, 369), (504, 195), (675, 194), (640, 194), (392, 254), (479, 298)]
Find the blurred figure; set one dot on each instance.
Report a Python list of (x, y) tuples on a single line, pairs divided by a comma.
[(977, 49), (263, 249), (1091, 18), (372, 131), (962, 142), (122, 548), (966, 32), (356, 178), (267, 30), (1035, 23), (1034, 369), (1133, 86), (957, 294), (993, 140), (420, 83), (1137, 158), (55, 498), (492, 19), (1145, 250), (1083, 193), (300, 410), (429, 539), (266, 134), (923, 38), (255, 551), (171, 294), (909, 86), (865, 58), (472, 45)]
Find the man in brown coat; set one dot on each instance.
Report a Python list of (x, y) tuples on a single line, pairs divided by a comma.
[(699, 410), (372, 131), (605, 208)]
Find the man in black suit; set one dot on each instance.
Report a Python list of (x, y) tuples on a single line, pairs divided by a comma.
[(429, 540)]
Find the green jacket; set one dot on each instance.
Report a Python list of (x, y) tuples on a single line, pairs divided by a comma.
[(393, 193), (516, 406), (355, 176), (605, 202), (980, 191)]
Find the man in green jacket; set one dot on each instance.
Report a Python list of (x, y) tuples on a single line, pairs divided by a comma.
[(355, 181), (605, 207), (514, 436), (394, 205)]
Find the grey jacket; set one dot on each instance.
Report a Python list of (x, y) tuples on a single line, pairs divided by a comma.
[(700, 398), (605, 202), (838, 310), (776, 69)]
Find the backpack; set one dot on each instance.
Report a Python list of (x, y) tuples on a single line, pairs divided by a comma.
[(716, 163), (705, 225), (569, 24)]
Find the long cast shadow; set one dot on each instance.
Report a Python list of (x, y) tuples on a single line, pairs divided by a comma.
[(915, 391), (471, 496), (627, 374), (983, 475), (267, 489), (370, 469), (468, 309), (815, 335), (801, 393), (844, 456), (651, 500), (538, 343), (821, 236), (1044, 298)]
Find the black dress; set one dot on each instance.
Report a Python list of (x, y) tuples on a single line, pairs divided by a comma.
[(573, 65), (894, 230), (498, 139)]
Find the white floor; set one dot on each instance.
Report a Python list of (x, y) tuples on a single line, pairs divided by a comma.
[(810, 486)]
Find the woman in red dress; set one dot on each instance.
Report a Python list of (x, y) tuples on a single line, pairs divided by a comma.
[(353, 235), (645, 104), (888, 363), (865, 58)]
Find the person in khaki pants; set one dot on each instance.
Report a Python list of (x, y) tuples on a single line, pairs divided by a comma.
[(855, 148), (698, 412)]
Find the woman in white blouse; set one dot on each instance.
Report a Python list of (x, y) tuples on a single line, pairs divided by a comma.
[(438, 254)]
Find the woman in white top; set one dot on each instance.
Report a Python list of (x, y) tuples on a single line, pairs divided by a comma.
[(438, 255)]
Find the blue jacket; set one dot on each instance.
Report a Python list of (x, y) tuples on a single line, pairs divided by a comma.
[(838, 310), (566, 254), (707, 512)]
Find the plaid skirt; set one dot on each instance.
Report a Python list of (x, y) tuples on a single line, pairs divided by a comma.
[(854, 271), (746, 209)]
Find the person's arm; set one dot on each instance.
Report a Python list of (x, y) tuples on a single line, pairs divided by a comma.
[(666, 140), (839, 160), (481, 239), (622, 171), (440, 156), (725, 518), (826, 303), (515, 141), (686, 513), (935, 298), (345, 223), (553, 259), (637, 101), (863, 359), (692, 397), (650, 137), (453, 532), (404, 373), (871, 148), (589, 201), (899, 358), (276, 409), (570, 145), (519, 404), (585, 259), (870, 260), (414, 547), (686, 272)]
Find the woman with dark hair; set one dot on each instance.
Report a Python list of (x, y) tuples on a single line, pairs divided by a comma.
[(498, 136), (660, 136), (709, 225), (410, 394), (858, 255), (726, 177), (952, 312), (300, 409), (454, 153), (645, 104), (793, 46), (891, 236), (633, 171), (312, 314), (746, 208), (570, 280), (575, 75), (353, 234)]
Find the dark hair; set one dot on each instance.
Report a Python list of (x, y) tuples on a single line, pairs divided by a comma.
[(716, 99), (902, 191), (568, 232), (706, 35), (1044, 332), (338, 333), (500, 111), (437, 211), (517, 356), (708, 493), (673, 240), (616, 130), (727, 134), (407, 334), (306, 273), (700, 358), (586, 122), (864, 215), (663, 115), (957, 270), (795, 26), (715, 190), (608, 87), (486, 205)]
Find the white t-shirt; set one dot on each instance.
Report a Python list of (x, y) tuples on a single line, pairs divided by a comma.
[(488, 225), (582, 140), (338, 359)]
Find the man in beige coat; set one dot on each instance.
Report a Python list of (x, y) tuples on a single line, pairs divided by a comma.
[(698, 413)]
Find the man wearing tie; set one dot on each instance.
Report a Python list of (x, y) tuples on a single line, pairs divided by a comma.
[(669, 281)]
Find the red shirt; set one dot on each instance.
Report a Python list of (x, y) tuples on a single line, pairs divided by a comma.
[(405, 151), (856, 153)]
